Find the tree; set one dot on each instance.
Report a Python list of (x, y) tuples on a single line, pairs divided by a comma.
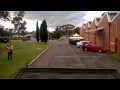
[(5, 15), (57, 34), (37, 32), (8, 32), (41, 33), (66, 29), (77, 30), (1, 32), (44, 32), (19, 23)]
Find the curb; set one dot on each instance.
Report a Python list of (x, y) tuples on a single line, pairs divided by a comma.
[(37, 56)]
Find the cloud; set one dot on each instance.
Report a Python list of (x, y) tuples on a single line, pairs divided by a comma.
[(90, 15), (56, 18)]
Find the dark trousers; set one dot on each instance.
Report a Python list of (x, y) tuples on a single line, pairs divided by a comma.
[(11, 51), (9, 55), (83, 48)]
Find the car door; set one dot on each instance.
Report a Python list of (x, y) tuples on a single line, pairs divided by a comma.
[(95, 47), (91, 46)]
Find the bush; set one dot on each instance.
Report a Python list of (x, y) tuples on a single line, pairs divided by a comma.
[(25, 38), (57, 34), (4, 39)]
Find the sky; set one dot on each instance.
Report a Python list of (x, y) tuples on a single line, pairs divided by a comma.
[(56, 18)]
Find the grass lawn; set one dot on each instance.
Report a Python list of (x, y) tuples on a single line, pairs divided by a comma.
[(116, 56), (113, 54), (23, 52)]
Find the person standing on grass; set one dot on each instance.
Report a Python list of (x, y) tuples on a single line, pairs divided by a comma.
[(11, 46), (9, 52)]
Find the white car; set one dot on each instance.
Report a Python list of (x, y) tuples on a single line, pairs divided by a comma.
[(80, 44), (73, 40)]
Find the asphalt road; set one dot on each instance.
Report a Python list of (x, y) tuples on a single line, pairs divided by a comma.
[(61, 54)]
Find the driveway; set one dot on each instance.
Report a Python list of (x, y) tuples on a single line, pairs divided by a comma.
[(61, 54)]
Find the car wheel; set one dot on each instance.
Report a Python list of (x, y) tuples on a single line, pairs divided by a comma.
[(99, 50), (85, 49)]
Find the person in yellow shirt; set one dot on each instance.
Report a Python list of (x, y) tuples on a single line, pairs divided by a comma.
[(9, 52), (11, 46)]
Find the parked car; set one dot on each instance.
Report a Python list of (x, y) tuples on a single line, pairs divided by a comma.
[(80, 43), (73, 40), (95, 47)]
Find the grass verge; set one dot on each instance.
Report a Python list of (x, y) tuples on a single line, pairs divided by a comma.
[(23, 53), (113, 54)]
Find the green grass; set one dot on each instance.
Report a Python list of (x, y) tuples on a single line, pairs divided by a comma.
[(23, 53), (113, 54), (110, 52)]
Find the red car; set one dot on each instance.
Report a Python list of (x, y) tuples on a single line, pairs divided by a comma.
[(95, 47)]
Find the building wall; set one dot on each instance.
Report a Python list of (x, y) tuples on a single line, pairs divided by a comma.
[(50, 36), (104, 23), (106, 38), (100, 38), (118, 46), (82, 32), (113, 32), (86, 34), (92, 36), (118, 35)]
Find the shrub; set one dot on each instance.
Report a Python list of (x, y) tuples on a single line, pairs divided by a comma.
[(4, 39), (25, 38)]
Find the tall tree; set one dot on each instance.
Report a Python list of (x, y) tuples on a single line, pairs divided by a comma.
[(37, 32), (19, 23), (1, 31), (41, 33), (66, 29), (77, 30), (44, 32), (8, 32), (57, 33), (5, 15)]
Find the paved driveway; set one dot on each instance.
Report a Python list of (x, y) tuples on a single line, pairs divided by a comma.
[(63, 55)]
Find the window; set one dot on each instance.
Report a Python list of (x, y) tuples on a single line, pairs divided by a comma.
[(89, 23), (111, 15), (97, 20)]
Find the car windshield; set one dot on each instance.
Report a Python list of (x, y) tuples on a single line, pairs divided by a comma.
[(85, 42)]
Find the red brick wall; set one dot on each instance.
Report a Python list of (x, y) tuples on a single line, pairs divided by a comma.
[(99, 38), (113, 33), (50, 36), (104, 23), (82, 32), (92, 36), (86, 34), (118, 46), (118, 35)]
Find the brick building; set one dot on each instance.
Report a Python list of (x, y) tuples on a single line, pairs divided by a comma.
[(105, 30), (50, 36)]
